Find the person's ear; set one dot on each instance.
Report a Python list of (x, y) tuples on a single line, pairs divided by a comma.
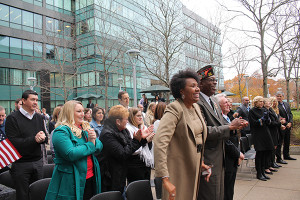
[(118, 122)]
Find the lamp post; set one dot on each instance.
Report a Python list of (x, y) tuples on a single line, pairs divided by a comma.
[(246, 78), (250, 100), (134, 53), (268, 95), (32, 82), (120, 81)]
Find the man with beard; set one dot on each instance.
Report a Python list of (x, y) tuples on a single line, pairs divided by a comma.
[(218, 133)]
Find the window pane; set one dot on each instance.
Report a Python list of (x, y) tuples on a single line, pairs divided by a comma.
[(50, 51), (4, 44), (15, 45), (38, 21), (4, 76), (38, 49), (67, 29), (50, 2), (15, 77), (92, 78), (27, 47), (4, 12), (27, 18), (49, 24), (67, 5), (15, 15)]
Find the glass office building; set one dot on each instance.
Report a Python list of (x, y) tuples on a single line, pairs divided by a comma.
[(74, 47)]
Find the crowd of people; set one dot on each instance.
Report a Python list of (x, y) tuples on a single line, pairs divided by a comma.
[(192, 143)]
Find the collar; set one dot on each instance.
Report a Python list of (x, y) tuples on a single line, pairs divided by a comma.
[(205, 97), (26, 114)]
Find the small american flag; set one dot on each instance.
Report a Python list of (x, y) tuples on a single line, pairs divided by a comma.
[(8, 153)]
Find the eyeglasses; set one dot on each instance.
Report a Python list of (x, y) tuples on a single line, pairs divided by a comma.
[(211, 80)]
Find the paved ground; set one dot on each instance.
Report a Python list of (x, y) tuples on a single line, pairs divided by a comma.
[(284, 184)]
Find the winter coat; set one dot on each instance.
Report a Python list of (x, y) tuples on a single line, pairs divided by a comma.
[(69, 175)]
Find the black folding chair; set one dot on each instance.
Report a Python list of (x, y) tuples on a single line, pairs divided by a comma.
[(6, 179), (38, 189), (112, 195), (138, 190)]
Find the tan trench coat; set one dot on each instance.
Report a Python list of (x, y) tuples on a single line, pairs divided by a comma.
[(175, 150)]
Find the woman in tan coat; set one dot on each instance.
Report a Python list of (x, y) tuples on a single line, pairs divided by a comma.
[(180, 138)]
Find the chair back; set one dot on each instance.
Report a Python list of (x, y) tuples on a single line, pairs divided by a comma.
[(48, 170), (244, 144), (112, 195), (6, 179), (139, 190), (249, 137), (38, 189), (50, 159)]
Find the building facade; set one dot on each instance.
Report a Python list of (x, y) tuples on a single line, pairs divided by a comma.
[(74, 47)]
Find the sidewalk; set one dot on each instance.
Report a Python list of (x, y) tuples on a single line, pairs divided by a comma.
[(284, 184)]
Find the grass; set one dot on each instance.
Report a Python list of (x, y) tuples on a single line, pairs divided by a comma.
[(296, 127)]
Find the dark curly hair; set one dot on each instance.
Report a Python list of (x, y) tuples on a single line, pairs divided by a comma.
[(178, 81)]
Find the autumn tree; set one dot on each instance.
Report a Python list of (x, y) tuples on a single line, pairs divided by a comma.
[(260, 14)]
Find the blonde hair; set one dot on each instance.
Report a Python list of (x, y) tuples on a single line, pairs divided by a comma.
[(149, 111), (257, 99), (55, 114), (274, 100), (132, 113), (66, 117)]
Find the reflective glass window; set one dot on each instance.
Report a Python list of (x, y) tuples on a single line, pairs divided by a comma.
[(50, 54), (27, 47), (50, 2), (38, 23), (38, 49), (15, 45), (27, 18), (67, 5), (4, 15), (67, 29), (49, 24), (16, 77), (92, 78), (4, 44), (15, 15), (4, 75)]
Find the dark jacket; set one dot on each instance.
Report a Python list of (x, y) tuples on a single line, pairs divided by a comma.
[(117, 148), (259, 129), (274, 126), (244, 113), (232, 153)]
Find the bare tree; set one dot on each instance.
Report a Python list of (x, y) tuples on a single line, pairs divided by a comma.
[(104, 43), (59, 63), (161, 39), (240, 63), (260, 13), (288, 42)]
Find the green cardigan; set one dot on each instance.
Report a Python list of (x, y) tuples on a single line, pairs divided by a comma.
[(69, 175)]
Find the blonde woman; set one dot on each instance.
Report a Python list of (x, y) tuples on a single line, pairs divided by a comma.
[(149, 117), (259, 118), (77, 173), (275, 127), (141, 161)]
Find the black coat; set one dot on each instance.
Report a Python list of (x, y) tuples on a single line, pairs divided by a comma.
[(232, 153), (274, 126), (117, 148), (259, 129)]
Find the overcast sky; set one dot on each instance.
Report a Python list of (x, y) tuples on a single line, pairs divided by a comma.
[(207, 9)]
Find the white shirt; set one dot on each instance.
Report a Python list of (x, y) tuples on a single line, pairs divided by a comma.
[(26, 114), (206, 98)]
